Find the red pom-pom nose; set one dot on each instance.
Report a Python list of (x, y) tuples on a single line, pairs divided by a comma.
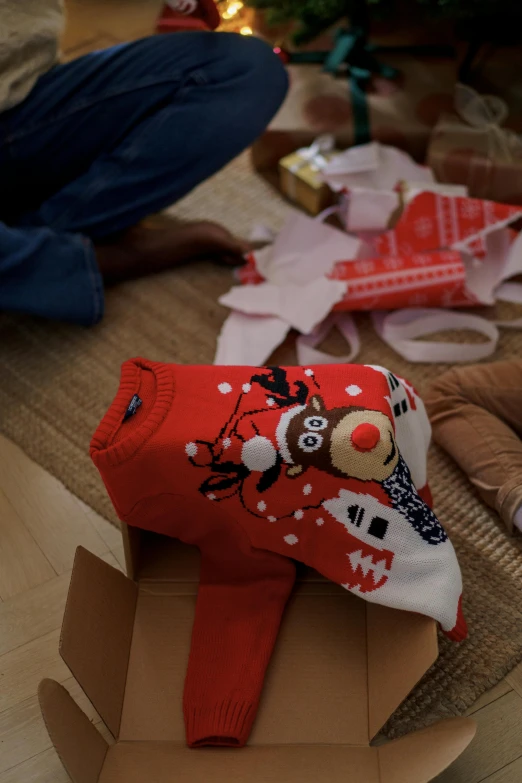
[(365, 437)]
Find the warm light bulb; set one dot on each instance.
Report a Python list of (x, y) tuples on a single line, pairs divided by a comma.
[(232, 9), (246, 30)]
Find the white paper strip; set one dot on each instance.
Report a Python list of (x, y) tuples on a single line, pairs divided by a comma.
[(400, 329), (307, 352), (249, 339)]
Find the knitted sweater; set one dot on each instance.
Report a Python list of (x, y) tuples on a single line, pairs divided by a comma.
[(29, 31)]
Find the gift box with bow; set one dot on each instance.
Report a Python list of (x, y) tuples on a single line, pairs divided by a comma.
[(300, 176), (471, 147)]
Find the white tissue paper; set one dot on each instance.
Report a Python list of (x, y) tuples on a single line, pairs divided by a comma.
[(375, 166)]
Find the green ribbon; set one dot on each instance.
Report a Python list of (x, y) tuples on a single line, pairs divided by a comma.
[(352, 50)]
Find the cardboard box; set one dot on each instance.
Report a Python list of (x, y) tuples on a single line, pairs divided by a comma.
[(491, 168), (340, 668), (301, 182)]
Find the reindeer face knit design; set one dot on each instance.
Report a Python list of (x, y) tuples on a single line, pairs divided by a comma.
[(260, 467)]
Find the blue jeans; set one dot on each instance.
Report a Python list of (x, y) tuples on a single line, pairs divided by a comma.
[(109, 138)]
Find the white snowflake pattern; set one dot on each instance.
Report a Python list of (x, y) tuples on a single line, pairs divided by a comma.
[(393, 263), (211, 496), (309, 373), (191, 449), (421, 259), (449, 256), (353, 390), (423, 227), (307, 489), (272, 519), (291, 539), (364, 267), (471, 208), (246, 388), (225, 388), (270, 401), (319, 521), (261, 506), (299, 514), (227, 443)]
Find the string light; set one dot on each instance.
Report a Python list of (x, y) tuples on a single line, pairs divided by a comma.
[(246, 30), (232, 9)]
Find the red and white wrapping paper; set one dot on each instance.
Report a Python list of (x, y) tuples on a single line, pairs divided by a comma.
[(445, 251), (433, 221)]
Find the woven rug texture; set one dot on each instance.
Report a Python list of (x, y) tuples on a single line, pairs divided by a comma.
[(57, 382)]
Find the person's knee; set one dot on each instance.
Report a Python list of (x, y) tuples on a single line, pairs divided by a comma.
[(260, 71), (444, 393)]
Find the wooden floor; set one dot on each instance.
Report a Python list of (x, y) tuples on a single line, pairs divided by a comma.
[(41, 524)]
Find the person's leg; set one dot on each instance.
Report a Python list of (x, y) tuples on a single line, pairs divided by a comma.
[(106, 139), (50, 275), (139, 126), (476, 415)]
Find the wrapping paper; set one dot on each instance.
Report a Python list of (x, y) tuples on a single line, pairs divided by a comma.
[(391, 282), (471, 147), (445, 251), (433, 221)]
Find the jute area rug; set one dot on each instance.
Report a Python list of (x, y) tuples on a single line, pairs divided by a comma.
[(57, 381)]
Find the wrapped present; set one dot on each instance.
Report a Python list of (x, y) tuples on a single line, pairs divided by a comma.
[(470, 147), (300, 177), (445, 251), (400, 113)]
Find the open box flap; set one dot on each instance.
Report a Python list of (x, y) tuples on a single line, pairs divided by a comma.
[(419, 757), (81, 747), (401, 646), (97, 633)]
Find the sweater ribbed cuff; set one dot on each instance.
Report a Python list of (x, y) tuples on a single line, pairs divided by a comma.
[(225, 724)]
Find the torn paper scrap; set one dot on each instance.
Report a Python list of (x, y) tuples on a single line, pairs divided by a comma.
[(391, 282), (411, 189), (304, 250), (249, 339), (362, 158), (432, 222), (484, 275), (301, 306), (392, 166), (366, 209), (307, 352), (260, 233)]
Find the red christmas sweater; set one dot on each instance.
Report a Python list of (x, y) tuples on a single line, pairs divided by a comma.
[(261, 467), (315, 464)]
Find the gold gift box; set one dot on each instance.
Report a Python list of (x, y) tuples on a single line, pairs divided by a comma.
[(301, 182)]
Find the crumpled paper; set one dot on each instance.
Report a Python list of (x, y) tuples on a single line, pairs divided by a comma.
[(287, 286), (375, 166), (369, 178), (446, 250)]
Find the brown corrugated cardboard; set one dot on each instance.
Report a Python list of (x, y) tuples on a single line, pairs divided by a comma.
[(340, 667)]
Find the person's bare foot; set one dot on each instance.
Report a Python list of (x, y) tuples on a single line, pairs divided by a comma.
[(146, 250)]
